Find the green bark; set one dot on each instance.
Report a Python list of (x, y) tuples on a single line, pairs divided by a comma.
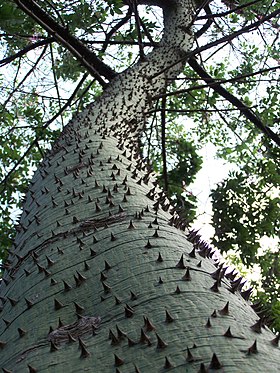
[(102, 277)]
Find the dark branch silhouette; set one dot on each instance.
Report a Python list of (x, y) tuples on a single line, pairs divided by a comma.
[(244, 109), (33, 68), (233, 10), (224, 39), (87, 58), (163, 143), (237, 79), (208, 23), (23, 51), (113, 30), (35, 141), (233, 35)]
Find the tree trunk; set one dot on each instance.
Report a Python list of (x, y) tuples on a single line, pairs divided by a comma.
[(102, 277)]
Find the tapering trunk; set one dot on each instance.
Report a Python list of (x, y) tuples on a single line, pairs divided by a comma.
[(102, 278)]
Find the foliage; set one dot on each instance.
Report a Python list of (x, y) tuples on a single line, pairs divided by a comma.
[(269, 294), (242, 214), (264, 276), (183, 163), (42, 85)]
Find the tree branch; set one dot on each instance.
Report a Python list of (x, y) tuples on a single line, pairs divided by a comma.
[(138, 30), (68, 101), (224, 39), (233, 10), (35, 141), (80, 98), (160, 3), (237, 79), (56, 82), (56, 12), (88, 58), (22, 52), (25, 77), (121, 42), (208, 23), (245, 110), (163, 142), (241, 31), (147, 33), (201, 110), (240, 10), (114, 29)]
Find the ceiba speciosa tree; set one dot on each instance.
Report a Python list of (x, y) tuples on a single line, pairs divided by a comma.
[(102, 276)]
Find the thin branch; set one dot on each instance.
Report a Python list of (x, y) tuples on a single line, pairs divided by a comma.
[(88, 58), (239, 32), (200, 110), (16, 76), (208, 23), (233, 10), (224, 39), (235, 133), (212, 82), (22, 52), (39, 148), (83, 94), (151, 128), (202, 5), (70, 99), (25, 77), (240, 10), (56, 83), (215, 51), (28, 150), (56, 12), (22, 36), (39, 95), (234, 101), (114, 29), (163, 142), (138, 30), (151, 43), (121, 42)]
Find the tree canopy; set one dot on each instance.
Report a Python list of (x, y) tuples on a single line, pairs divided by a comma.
[(228, 96)]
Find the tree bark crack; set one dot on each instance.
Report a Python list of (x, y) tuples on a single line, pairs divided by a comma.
[(86, 325)]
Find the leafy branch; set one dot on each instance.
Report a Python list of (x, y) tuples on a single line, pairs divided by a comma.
[(163, 143), (25, 50), (25, 77), (244, 109), (113, 30), (88, 58), (35, 141)]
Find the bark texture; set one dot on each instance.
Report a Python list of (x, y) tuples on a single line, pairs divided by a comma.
[(102, 278)]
